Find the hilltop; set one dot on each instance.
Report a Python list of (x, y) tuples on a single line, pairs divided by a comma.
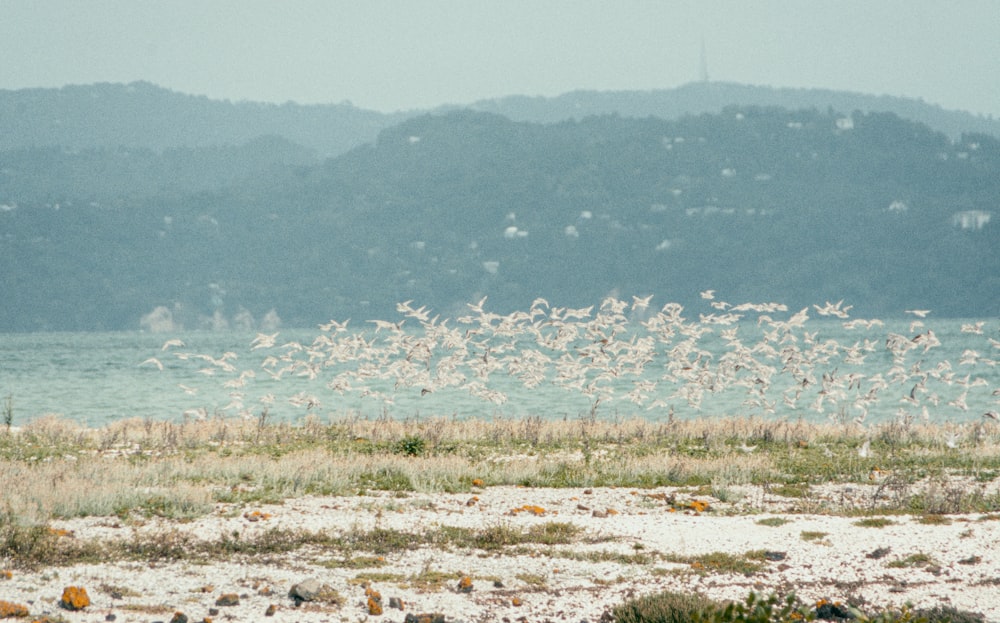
[(141, 115), (760, 203)]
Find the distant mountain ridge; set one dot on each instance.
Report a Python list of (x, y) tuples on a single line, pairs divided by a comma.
[(143, 115), (759, 203), (712, 97)]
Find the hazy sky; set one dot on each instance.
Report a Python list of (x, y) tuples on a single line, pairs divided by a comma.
[(421, 53)]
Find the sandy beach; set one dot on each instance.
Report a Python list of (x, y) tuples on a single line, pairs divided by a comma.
[(628, 542)]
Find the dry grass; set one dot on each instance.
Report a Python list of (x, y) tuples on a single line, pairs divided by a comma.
[(53, 468)]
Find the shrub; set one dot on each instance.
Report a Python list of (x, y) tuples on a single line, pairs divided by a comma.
[(757, 609), (667, 607), (411, 445), (671, 607), (948, 614)]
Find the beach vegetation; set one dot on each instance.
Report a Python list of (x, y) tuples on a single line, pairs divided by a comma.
[(874, 522), (136, 471), (773, 522), (919, 559), (682, 607), (747, 564), (8, 411), (534, 580)]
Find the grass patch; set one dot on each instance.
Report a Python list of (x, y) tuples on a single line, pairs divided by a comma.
[(919, 559), (355, 562), (533, 580), (772, 522), (433, 580), (36, 546), (638, 558), (677, 607), (667, 607), (137, 469), (503, 535), (874, 522), (722, 562), (813, 535)]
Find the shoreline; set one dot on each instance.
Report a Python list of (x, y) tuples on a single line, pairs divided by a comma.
[(548, 520)]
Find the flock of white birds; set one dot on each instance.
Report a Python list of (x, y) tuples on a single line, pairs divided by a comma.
[(623, 351)]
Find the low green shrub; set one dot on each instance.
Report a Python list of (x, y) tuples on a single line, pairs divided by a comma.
[(668, 607), (674, 607)]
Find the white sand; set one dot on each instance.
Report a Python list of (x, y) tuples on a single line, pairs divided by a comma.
[(550, 587)]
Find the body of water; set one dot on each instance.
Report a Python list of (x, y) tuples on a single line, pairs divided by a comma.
[(549, 365)]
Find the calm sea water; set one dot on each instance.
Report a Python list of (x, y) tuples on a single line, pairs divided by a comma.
[(96, 378)]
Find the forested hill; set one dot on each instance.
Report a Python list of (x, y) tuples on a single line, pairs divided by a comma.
[(761, 204), (712, 97), (141, 115)]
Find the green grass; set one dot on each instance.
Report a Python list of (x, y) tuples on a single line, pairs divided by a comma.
[(874, 522), (140, 469), (747, 564), (355, 562), (37, 546), (678, 607), (773, 522), (919, 559), (532, 579)]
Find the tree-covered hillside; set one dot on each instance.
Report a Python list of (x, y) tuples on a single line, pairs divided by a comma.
[(143, 115), (760, 204), (712, 97)]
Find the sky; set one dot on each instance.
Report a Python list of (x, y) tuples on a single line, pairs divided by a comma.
[(413, 54)]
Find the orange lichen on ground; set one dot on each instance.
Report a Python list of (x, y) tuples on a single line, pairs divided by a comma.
[(528, 508), (478, 482), (516, 601), (465, 584), (5, 574), (374, 601), (698, 506), (10, 609), (57, 532), (256, 516), (74, 598)]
